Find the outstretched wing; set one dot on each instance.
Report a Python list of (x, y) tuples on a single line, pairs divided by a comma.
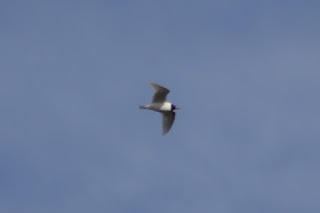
[(167, 121), (160, 94)]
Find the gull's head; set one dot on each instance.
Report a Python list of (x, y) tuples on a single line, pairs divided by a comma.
[(173, 107)]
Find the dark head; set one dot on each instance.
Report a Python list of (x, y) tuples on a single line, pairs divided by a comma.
[(173, 107)]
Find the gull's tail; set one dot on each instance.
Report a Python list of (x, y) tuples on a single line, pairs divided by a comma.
[(143, 107)]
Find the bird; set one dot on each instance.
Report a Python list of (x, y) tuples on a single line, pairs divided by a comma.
[(161, 105)]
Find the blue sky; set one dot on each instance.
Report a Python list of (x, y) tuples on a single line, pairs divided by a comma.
[(245, 74)]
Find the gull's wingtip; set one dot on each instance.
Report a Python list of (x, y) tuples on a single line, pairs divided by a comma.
[(151, 83)]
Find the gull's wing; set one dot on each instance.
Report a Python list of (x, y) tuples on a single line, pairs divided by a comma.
[(160, 93), (167, 121)]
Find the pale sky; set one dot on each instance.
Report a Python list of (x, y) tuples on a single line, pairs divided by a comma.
[(245, 74)]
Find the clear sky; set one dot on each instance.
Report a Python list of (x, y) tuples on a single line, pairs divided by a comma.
[(246, 75)]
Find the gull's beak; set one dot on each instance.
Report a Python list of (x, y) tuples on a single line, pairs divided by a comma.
[(177, 108)]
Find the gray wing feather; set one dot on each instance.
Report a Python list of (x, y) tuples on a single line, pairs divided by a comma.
[(160, 94), (167, 121)]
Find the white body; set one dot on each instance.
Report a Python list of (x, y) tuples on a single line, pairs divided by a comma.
[(159, 107), (166, 106)]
